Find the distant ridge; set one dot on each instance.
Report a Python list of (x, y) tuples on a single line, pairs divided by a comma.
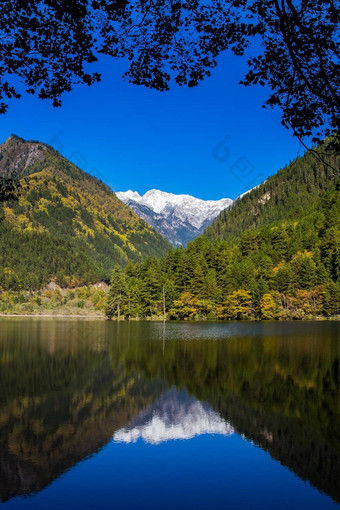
[(179, 218)]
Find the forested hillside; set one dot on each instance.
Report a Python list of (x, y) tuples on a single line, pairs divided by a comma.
[(67, 225), (284, 196), (289, 267)]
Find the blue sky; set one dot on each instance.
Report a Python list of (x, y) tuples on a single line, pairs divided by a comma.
[(211, 141)]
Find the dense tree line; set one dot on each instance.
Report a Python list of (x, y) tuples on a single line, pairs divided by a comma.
[(289, 269)]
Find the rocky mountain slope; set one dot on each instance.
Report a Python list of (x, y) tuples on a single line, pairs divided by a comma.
[(179, 218), (67, 225)]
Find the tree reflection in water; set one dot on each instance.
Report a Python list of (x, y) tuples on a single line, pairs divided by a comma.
[(67, 387)]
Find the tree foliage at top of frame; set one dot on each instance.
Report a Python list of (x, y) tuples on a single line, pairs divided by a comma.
[(48, 45)]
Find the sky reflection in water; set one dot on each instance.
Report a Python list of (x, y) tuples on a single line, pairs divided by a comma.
[(205, 415)]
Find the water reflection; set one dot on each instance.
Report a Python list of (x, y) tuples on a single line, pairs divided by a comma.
[(68, 387), (173, 416)]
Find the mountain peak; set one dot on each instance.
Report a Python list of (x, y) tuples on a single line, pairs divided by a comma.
[(179, 218), (17, 155), (128, 195), (13, 136)]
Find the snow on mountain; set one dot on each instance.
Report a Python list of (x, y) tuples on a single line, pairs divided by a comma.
[(248, 191), (173, 416), (179, 218)]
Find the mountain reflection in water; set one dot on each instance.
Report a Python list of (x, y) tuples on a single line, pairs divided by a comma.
[(174, 415), (68, 387)]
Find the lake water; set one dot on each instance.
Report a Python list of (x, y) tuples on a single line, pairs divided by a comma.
[(227, 415)]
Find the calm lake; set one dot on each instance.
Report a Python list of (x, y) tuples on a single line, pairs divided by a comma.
[(204, 415)]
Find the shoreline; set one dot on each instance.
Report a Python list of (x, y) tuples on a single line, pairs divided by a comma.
[(65, 316), (156, 319)]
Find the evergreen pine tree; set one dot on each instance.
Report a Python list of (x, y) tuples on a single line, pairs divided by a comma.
[(116, 294)]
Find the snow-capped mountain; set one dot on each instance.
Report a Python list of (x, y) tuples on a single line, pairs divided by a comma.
[(173, 416), (179, 218)]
